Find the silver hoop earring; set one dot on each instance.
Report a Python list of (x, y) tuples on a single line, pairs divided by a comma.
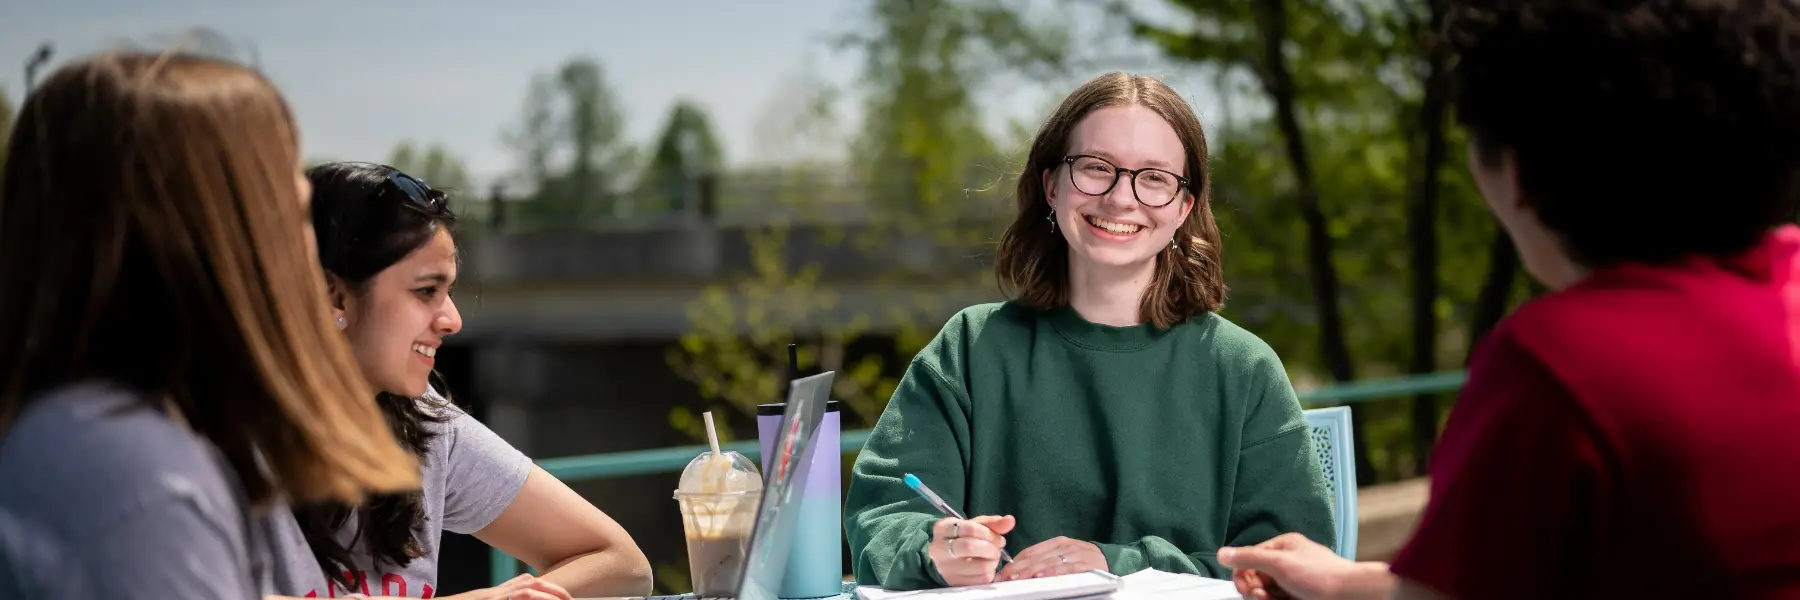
[(1052, 219)]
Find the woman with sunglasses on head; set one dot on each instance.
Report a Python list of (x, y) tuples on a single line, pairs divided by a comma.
[(1107, 417), (390, 262), (168, 375)]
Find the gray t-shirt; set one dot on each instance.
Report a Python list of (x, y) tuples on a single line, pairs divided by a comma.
[(468, 477), (106, 497)]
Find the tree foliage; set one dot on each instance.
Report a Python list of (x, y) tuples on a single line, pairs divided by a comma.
[(574, 156), (6, 121), (1353, 114), (440, 168), (926, 167), (1355, 243), (924, 149), (686, 151), (435, 164)]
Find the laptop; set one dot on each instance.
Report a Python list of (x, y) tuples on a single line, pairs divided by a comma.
[(765, 561)]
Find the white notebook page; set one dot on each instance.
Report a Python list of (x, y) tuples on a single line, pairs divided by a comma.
[(1061, 587)]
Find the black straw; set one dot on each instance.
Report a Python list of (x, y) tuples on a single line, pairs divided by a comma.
[(793, 372)]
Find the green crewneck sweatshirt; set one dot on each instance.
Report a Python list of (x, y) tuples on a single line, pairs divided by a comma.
[(1159, 446)]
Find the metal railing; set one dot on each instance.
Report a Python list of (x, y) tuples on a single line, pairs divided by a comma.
[(671, 460)]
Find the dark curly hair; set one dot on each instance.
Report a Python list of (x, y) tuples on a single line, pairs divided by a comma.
[(1645, 130), (366, 218)]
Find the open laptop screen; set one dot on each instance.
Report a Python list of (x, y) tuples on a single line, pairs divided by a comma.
[(783, 480)]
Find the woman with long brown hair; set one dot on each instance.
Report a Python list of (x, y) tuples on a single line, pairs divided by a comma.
[(169, 377), (1107, 417), (385, 240)]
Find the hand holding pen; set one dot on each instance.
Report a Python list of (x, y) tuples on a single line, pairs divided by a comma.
[(965, 551)]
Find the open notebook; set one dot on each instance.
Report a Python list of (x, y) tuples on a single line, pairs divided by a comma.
[(1148, 584), (1074, 585)]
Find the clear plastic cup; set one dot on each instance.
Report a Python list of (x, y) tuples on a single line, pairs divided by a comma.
[(719, 495)]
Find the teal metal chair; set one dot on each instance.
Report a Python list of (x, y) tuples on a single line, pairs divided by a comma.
[(1331, 439)]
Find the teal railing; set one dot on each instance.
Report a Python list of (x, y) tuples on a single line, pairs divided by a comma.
[(670, 460)]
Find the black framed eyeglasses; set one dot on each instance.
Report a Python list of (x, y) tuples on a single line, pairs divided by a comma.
[(1097, 176), (414, 191)]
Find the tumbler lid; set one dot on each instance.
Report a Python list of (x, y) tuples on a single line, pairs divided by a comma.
[(765, 410)]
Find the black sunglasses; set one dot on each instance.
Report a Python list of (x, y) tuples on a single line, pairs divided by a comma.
[(417, 194)]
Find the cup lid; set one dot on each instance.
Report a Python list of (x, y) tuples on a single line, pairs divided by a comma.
[(764, 410), (724, 472), (745, 493)]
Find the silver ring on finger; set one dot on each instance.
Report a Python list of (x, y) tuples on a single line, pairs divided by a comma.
[(950, 545), (955, 530)]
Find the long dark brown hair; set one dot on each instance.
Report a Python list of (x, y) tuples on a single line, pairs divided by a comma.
[(152, 235), (366, 223), (1033, 261)]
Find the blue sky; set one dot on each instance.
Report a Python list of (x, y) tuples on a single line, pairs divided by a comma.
[(365, 76)]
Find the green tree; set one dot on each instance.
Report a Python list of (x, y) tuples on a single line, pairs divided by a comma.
[(1356, 110), (435, 164), (919, 162), (442, 169), (1365, 167), (573, 153), (686, 151), (735, 350), (6, 120), (1258, 37), (536, 137), (799, 125), (923, 150), (933, 172)]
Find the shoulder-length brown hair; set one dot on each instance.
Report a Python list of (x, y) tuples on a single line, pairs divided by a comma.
[(152, 235), (1033, 261)]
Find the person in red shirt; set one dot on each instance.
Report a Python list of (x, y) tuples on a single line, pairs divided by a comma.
[(1636, 432)]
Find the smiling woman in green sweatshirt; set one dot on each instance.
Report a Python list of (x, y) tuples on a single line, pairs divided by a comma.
[(1106, 418)]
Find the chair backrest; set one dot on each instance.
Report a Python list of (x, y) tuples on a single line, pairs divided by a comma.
[(1331, 439)]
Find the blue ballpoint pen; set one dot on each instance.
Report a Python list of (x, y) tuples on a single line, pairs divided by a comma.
[(943, 507)]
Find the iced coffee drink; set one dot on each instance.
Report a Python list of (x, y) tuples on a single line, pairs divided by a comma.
[(718, 495)]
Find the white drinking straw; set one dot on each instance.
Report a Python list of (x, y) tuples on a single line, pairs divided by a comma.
[(712, 435)]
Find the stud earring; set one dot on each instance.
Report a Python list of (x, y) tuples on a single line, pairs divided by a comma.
[(340, 322)]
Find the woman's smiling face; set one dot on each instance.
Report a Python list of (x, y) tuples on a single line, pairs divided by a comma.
[(402, 315), (1114, 229)]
